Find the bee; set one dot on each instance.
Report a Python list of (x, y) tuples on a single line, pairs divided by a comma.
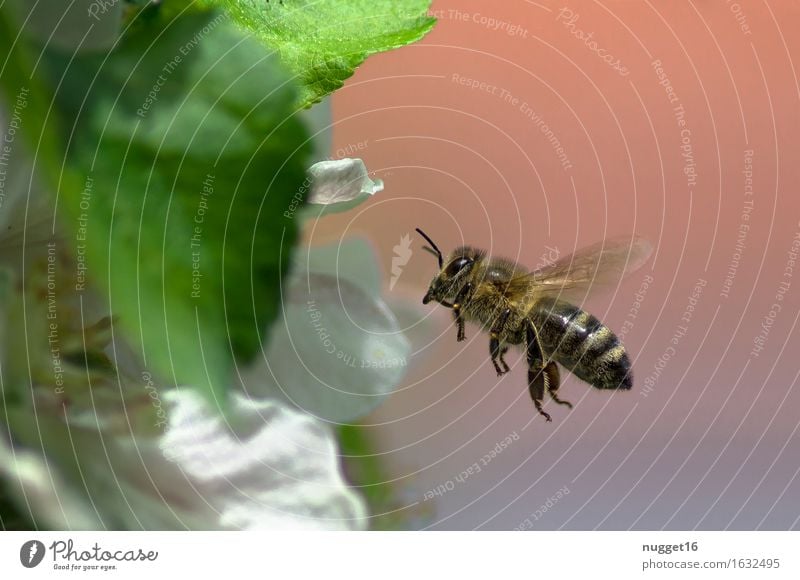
[(532, 309)]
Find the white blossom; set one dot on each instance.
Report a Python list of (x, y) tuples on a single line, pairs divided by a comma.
[(88, 441)]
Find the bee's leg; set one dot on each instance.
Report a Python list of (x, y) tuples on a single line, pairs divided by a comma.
[(553, 382), (458, 318), (494, 342), (460, 333), (537, 377), (461, 297), (503, 351)]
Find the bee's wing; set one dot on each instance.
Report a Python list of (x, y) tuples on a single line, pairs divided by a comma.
[(592, 268)]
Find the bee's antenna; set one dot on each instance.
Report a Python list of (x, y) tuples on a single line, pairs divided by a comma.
[(435, 249)]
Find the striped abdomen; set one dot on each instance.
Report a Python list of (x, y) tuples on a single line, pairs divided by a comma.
[(581, 343)]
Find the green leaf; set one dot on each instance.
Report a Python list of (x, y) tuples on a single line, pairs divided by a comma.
[(323, 41), (11, 517), (363, 465), (193, 159), (388, 499)]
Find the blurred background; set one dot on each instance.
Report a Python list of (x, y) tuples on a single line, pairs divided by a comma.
[(534, 128)]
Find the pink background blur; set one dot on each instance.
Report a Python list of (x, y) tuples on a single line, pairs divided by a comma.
[(714, 443)]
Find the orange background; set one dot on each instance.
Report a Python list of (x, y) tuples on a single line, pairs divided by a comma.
[(714, 444)]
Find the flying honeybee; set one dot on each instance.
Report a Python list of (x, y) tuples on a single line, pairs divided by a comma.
[(531, 309)]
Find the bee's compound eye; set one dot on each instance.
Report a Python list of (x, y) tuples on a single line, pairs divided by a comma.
[(456, 266)]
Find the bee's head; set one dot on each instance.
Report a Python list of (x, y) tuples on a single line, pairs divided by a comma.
[(453, 271)]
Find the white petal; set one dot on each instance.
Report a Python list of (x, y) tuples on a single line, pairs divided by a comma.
[(339, 185), (267, 467), (352, 259), (274, 469), (337, 353), (41, 493)]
